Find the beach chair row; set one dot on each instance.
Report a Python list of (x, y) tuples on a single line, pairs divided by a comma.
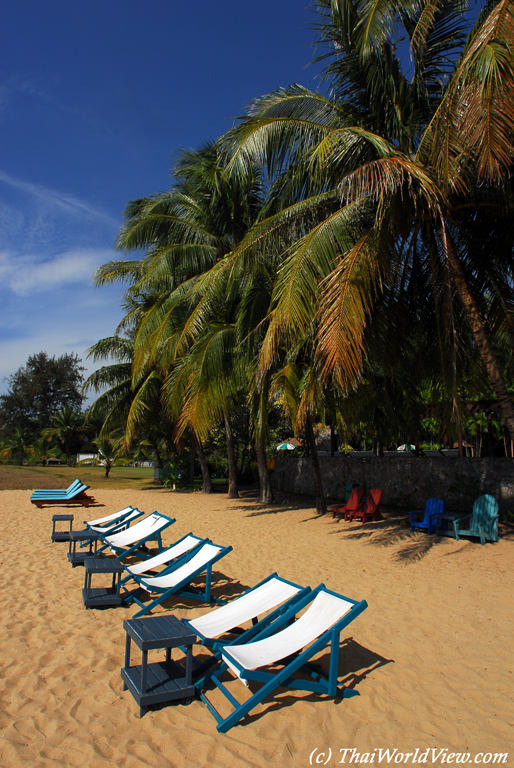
[(286, 624)]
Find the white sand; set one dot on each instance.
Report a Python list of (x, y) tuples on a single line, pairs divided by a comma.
[(431, 658)]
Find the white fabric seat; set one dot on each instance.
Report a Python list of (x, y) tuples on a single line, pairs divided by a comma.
[(244, 608), (325, 610), (185, 544), (176, 579), (200, 559), (104, 529), (149, 525), (109, 518)]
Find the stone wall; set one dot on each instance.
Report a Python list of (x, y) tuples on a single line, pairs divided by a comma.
[(407, 481)]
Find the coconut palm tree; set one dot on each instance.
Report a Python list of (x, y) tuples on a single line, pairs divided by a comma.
[(392, 177), (186, 234), (132, 406), (17, 444), (65, 425), (111, 451)]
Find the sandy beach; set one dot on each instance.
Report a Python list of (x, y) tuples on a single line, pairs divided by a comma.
[(431, 658)]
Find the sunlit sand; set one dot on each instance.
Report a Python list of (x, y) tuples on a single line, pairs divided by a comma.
[(431, 658)]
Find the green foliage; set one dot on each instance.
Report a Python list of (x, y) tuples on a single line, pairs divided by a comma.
[(66, 425), (38, 390), (342, 258), (17, 445), (111, 452)]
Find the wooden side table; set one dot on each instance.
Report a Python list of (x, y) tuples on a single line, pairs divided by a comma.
[(76, 558), (444, 523), (102, 597), (162, 680), (62, 535)]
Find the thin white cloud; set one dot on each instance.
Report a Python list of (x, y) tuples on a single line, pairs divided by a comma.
[(24, 275), (58, 200)]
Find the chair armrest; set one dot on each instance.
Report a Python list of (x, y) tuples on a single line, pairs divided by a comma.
[(462, 517)]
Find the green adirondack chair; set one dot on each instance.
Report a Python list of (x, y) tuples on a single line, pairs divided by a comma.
[(483, 521)]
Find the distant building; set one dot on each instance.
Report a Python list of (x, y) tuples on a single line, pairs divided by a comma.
[(89, 457)]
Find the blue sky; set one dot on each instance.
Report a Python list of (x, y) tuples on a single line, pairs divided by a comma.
[(94, 99)]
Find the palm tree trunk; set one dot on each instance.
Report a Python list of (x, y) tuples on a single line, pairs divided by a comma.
[(158, 457), (265, 490), (333, 440), (206, 473), (477, 327), (321, 507), (192, 465), (231, 454)]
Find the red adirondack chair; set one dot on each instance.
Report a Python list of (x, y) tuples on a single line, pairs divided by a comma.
[(370, 508), (353, 504)]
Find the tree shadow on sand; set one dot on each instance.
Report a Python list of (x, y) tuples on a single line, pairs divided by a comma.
[(283, 503), (394, 531)]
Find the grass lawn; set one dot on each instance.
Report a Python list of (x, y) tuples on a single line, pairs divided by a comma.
[(13, 478)]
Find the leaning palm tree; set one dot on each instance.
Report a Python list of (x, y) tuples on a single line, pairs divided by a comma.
[(186, 234), (132, 406), (390, 178)]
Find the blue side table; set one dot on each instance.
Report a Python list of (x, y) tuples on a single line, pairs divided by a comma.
[(162, 680), (102, 597), (62, 535), (90, 537)]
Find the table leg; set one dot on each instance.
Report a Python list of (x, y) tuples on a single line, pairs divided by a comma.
[(127, 656), (189, 665), (144, 664)]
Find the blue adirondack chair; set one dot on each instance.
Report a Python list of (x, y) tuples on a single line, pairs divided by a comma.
[(428, 521), (483, 521)]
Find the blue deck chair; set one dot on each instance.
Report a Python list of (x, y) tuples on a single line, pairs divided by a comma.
[(133, 540), (76, 496), (57, 491), (115, 522), (427, 522), (177, 579), (41, 493), (483, 521), (259, 605), (185, 545), (290, 644)]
